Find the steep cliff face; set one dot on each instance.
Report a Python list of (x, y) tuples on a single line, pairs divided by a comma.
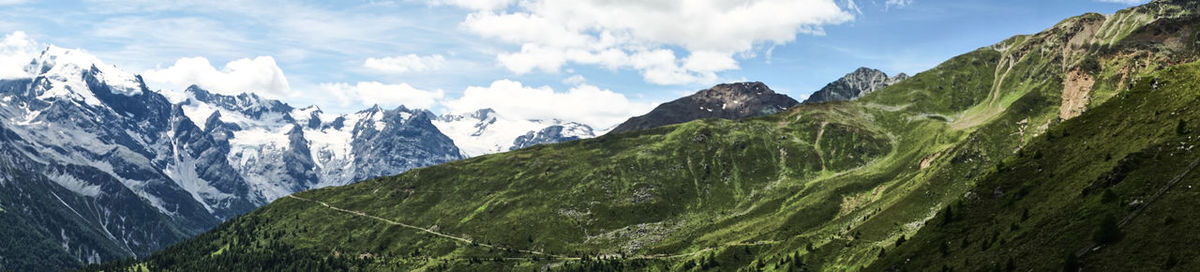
[(854, 85), (725, 101)]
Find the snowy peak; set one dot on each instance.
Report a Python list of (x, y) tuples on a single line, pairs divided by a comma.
[(309, 116), (73, 63), (484, 114), (246, 103), (246, 110), (485, 131), (561, 132), (68, 73)]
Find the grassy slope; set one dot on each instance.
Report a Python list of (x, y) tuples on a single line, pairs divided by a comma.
[(842, 179), (1109, 162)]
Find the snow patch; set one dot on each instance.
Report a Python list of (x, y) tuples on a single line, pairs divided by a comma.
[(481, 134), (257, 137), (64, 69), (183, 172), (70, 182), (198, 113)]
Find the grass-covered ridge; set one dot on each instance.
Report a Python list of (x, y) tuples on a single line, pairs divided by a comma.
[(1111, 190), (825, 187)]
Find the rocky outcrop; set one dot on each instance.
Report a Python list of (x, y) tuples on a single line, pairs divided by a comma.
[(854, 85), (726, 101)]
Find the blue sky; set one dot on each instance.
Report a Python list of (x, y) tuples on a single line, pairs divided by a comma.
[(593, 61)]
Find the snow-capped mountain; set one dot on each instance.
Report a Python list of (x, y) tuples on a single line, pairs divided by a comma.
[(279, 149), (485, 132), (94, 166)]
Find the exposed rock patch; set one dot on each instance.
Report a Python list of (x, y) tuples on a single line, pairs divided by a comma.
[(1075, 96)]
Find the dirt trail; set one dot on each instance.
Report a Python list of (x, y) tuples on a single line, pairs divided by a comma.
[(1160, 193), (817, 144), (557, 257), (1138, 211), (426, 230), (999, 77)]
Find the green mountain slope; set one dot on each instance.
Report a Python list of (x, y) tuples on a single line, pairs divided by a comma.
[(823, 187), (1129, 162)]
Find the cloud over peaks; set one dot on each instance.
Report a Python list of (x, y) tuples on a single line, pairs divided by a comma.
[(260, 75), (645, 35), (388, 95), (600, 108), (16, 50)]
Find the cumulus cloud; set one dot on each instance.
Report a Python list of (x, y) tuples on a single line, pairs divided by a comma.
[(584, 103), (259, 75), (640, 35), (405, 63), (16, 50), (388, 95)]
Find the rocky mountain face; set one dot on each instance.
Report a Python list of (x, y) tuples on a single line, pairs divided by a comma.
[(279, 149), (96, 167), (854, 85), (725, 101), (485, 131)]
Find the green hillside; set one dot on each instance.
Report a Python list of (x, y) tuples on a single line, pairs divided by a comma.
[(830, 186), (1112, 189)]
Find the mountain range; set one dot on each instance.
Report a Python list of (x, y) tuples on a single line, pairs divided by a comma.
[(132, 170), (97, 167), (1066, 150)]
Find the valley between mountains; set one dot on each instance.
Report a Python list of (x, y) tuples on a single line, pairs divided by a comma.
[(1071, 149)]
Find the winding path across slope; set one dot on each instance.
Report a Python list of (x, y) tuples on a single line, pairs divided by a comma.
[(469, 241), (430, 231)]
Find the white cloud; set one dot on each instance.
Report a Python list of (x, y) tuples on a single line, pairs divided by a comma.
[(476, 4), (405, 63), (229, 29), (587, 104), (900, 3), (259, 75), (708, 61), (388, 95), (640, 34), (575, 80), (16, 51), (1126, 2)]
